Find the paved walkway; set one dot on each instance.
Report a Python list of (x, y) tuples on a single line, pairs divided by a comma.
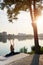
[(12, 58), (29, 60), (24, 59)]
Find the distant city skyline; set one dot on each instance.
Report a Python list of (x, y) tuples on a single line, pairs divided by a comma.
[(21, 36)]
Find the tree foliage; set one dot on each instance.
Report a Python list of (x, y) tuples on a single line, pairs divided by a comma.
[(21, 5)]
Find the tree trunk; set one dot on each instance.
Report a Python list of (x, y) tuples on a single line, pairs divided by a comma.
[(37, 49), (34, 28), (36, 38)]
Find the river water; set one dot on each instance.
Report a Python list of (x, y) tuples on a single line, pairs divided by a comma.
[(28, 43)]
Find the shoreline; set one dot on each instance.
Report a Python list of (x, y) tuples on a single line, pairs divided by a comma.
[(13, 58)]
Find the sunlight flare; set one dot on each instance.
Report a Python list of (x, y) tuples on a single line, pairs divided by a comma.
[(40, 21), (40, 24)]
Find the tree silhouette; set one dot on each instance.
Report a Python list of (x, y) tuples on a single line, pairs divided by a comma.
[(34, 7)]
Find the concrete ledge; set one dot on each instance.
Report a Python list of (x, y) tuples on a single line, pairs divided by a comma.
[(14, 58)]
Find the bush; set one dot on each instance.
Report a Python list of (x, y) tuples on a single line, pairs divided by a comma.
[(33, 48), (32, 52), (23, 50), (41, 49)]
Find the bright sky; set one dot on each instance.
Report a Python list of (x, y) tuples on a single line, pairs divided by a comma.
[(22, 25)]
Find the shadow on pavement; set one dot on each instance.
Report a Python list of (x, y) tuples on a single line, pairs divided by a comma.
[(35, 60)]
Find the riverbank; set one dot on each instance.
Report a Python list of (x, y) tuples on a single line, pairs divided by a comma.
[(34, 59), (13, 58), (23, 59)]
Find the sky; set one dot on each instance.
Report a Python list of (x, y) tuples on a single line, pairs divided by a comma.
[(21, 25)]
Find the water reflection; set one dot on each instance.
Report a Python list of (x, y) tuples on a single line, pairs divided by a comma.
[(20, 41), (5, 48), (4, 36)]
